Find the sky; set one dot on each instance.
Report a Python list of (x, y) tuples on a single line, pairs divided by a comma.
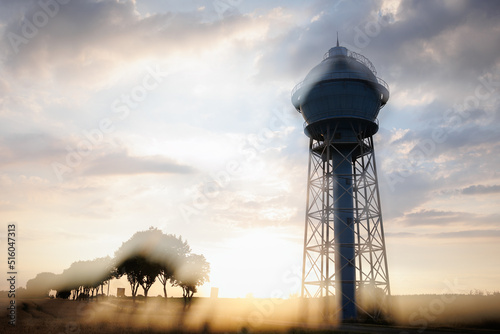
[(120, 115)]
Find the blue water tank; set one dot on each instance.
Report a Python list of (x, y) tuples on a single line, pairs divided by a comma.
[(341, 93)]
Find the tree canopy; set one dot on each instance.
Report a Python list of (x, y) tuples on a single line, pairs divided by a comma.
[(86, 276), (152, 254), (192, 273)]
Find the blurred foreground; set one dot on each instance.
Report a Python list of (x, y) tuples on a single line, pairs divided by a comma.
[(411, 314)]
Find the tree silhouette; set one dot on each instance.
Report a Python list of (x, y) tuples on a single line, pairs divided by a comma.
[(41, 285), (151, 254), (104, 266), (147, 255), (138, 259), (63, 294), (85, 277), (128, 267), (192, 273), (173, 251), (140, 271)]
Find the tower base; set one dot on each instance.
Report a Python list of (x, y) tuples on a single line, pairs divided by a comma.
[(344, 245)]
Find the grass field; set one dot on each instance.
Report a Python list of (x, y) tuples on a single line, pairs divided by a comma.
[(406, 314)]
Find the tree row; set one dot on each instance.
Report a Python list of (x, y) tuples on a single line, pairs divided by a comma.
[(147, 256)]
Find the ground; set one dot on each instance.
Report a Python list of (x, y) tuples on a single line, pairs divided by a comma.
[(407, 314)]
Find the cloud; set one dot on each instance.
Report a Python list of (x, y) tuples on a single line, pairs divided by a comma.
[(416, 164), (472, 235), (85, 41), (121, 163), (427, 46), (290, 53), (469, 234), (42, 148), (481, 190), (435, 217), (400, 195), (21, 148)]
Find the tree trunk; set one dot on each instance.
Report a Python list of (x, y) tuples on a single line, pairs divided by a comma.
[(134, 288)]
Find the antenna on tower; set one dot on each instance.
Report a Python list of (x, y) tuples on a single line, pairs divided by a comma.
[(337, 39)]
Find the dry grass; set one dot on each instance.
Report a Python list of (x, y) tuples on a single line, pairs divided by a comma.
[(113, 315), (455, 311)]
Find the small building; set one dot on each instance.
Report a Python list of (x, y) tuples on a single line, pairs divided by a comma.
[(120, 292)]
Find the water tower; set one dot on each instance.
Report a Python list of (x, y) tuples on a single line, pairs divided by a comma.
[(344, 246)]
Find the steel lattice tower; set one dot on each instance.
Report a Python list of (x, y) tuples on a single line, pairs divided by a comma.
[(344, 246)]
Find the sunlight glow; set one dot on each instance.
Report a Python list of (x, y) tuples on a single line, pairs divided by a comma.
[(256, 263)]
